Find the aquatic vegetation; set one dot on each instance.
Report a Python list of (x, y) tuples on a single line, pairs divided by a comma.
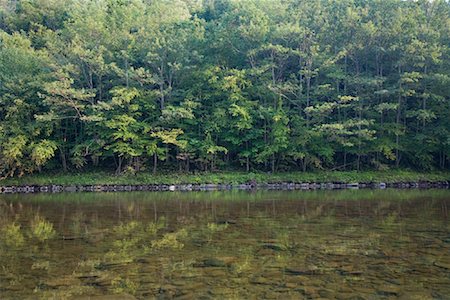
[(121, 285), (285, 241), (172, 268), (41, 265), (63, 293), (154, 227), (127, 229), (12, 235), (341, 248), (170, 240), (244, 260), (213, 228), (391, 219), (124, 250), (242, 265), (372, 240), (42, 229), (127, 246), (90, 264), (185, 266)]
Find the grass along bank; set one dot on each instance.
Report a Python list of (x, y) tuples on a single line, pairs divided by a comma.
[(105, 178)]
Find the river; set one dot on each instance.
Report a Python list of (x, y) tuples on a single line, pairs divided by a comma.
[(346, 244)]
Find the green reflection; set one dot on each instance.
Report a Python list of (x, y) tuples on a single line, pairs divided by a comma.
[(360, 244)]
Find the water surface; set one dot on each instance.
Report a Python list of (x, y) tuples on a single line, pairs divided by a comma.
[(350, 244)]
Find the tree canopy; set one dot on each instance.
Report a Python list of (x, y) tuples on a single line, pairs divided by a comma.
[(205, 85)]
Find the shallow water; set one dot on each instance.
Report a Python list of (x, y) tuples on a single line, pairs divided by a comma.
[(350, 244)]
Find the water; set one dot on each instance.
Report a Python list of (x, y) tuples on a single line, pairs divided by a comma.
[(352, 244)]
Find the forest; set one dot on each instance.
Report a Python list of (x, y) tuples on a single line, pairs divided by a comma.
[(207, 85)]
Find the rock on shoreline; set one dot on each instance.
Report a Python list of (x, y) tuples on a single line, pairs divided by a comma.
[(26, 189)]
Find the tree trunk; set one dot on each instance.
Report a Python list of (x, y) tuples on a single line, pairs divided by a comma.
[(273, 163), (63, 159), (397, 120), (247, 158), (161, 86), (119, 165), (155, 163), (127, 80), (308, 88), (137, 164), (345, 160)]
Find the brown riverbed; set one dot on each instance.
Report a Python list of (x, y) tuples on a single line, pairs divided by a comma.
[(348, 244)]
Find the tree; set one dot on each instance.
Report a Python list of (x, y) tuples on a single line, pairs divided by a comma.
[(25, 143), (195, 85)]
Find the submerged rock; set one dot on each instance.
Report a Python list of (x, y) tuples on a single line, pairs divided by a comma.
[(106, 297), (211, 262), (226, 221), (261, 280), (63, 281), (417, 295), (326, 293), (442, 264), (348, 271), (388, 290), (275, 247), (291, 271)]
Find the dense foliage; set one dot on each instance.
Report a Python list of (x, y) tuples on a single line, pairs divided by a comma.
[(224, 84)]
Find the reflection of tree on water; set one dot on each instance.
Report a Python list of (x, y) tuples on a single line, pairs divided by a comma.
[(12, 236), (25, 250), (251, 247), (41, 229)]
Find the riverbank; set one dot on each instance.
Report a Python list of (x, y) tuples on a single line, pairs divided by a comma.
[(103, 181)]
